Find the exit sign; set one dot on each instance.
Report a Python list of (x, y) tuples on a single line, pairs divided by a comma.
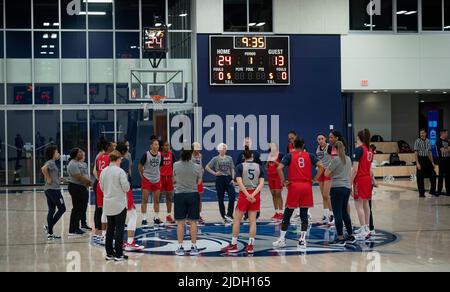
[(364, 83)]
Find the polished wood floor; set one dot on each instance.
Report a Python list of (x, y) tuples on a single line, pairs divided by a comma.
[(423, 227)]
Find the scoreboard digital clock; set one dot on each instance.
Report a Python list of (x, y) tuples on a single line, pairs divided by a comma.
[(155, 39), (249, 60)]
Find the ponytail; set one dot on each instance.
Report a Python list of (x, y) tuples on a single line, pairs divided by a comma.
[(364, 137), (341, 151)]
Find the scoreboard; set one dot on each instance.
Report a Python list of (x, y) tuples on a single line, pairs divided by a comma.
[(155, 39), (249, 60)]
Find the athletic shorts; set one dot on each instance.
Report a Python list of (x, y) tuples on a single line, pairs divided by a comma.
[(362, 188), (245, 205), (187, 206), (275, 182), (300, 195), (130, 205), (201, 188), (167, 184), (99, 196), (149, 186), (324, 178)]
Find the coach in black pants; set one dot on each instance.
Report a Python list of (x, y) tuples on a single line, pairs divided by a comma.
[(444, 163), (425, 164)]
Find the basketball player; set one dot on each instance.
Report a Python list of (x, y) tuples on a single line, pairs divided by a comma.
[(197, 159), (300, 193), (324, 181), (102, 163), (362, 182), (101, 146), (131, 244), (167, 179), (292, 136), (250, 179), (149, 170), (275, 184)]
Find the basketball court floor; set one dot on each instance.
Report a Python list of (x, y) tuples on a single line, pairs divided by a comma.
[(412, 235)]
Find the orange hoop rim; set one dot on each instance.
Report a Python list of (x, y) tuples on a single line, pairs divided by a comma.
[(158, 99)]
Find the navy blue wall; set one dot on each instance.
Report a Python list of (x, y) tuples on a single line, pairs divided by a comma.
[(309, 105)]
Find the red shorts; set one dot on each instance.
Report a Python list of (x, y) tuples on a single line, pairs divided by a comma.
[(149, 186), (99, 196), (362, 188), (245, 205), (275, 182), (300, 195), (130, 205), (200, 189), (324, 178), (167, 184)]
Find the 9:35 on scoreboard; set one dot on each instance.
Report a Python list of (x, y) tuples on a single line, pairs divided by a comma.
[(249, 60)]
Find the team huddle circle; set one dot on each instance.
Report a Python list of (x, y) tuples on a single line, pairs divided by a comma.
[(214, 237)]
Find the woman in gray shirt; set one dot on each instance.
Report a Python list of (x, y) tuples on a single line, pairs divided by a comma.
[(52, 191), (79, 183), (340, 170)]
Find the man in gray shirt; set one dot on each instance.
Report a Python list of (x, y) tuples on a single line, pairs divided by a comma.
[(222, 167), (187, 176)]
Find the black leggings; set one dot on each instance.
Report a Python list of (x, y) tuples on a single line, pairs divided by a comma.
[(223, 184), (371, 224), (80, 198), (98, 211), (54, 200), (339, 200), (114, 234), (288, 215)]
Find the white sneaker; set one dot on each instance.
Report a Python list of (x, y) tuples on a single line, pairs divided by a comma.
[(360, 230), (301, 245), (280, 243), (361, 236)]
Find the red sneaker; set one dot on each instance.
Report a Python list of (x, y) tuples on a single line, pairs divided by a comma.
[(232, 248), (275, 217), (170, 220), (133, 246), (250, 249), (280, 216)]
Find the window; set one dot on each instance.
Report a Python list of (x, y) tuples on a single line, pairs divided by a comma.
[(48, 132), (2, 149), (180, 45), (248, 15), (122, 93), (2, 93), (447, 15), (127, 14), (101, 93), (235, 15), (359, 18), (46, 94), (18, 45), (260, 16), (1, 16), (20, 149), (19, 93), (432, 15), (179, 14), (153, 12), (100, 45), (46, 14), (18, 14), (100, 15), (407, 16), (74, 93), (70, 18), (384, 20), (46, 45), (74, 131), (74, 45), (127, 45)]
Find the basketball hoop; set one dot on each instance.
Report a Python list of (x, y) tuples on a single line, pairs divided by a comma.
[(158, 102)]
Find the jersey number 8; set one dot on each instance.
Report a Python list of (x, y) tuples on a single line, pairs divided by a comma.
[(301, 162)]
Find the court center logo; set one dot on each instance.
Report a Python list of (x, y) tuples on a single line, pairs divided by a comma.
[(213, 237)]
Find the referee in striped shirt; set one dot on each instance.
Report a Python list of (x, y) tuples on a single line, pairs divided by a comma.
[(424, 163)]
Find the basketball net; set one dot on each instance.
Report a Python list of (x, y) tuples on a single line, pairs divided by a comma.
[(158, 102)]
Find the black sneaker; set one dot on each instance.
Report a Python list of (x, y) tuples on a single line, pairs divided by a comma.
[(109, 258), (76, 234), (52, 237), (338, 243), (86, 228), (121, 259), (144, 223), (435, 194), (350, 240), (422, 196), (158, 222)]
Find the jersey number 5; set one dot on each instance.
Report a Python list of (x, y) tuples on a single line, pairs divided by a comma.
[(251, 174)]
